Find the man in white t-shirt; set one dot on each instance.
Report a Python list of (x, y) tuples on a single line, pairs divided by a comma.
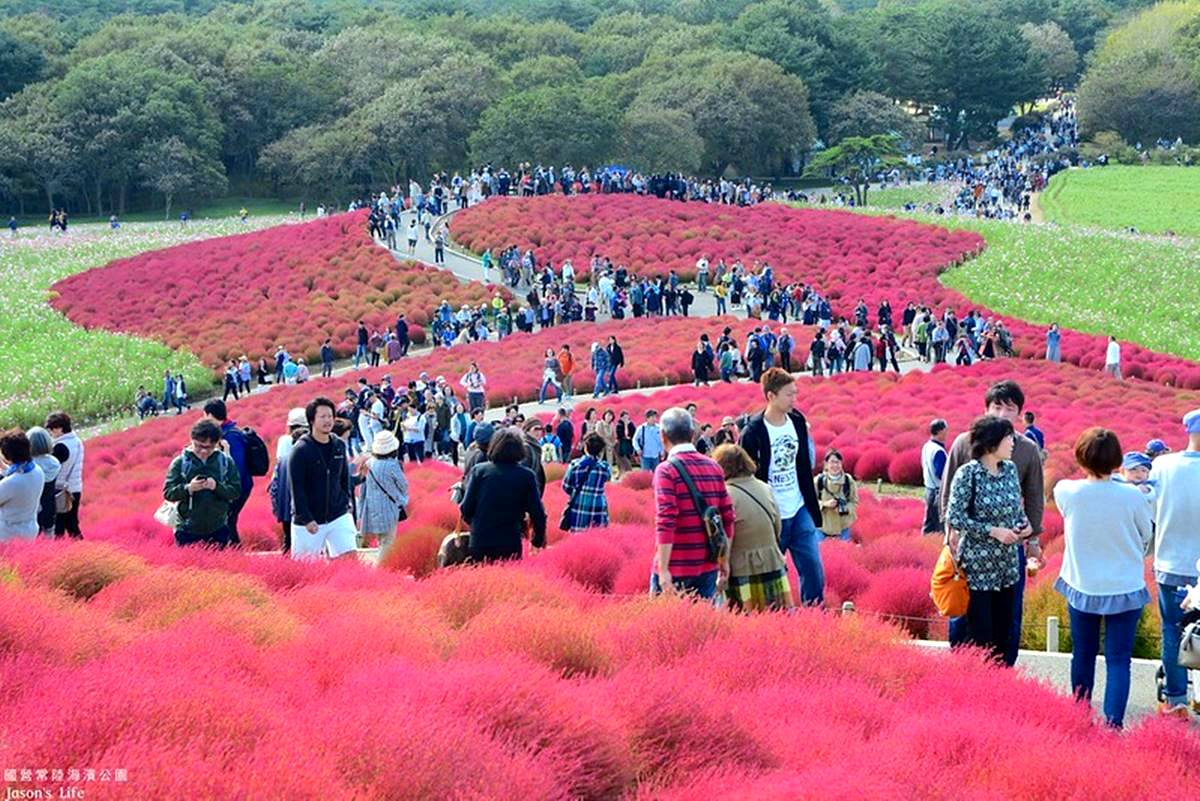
[(1112, 358), (778, 442), (702, 273)]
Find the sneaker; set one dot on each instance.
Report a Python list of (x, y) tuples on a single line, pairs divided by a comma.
[(1173, 710)]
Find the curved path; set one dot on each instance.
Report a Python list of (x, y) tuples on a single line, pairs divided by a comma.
[(1053, 668)]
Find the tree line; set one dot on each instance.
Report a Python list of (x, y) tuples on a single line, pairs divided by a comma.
[(118, 104)]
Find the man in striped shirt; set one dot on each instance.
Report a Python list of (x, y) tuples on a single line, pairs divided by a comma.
[(682, 563)]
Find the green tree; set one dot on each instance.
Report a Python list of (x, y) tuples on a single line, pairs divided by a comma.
[(113, 106), (660, 140), (1144, 81), (864, 113), (21, 63), (543, 71), (857, 158), (554, 125), (801, 38), (172, 168), (970, 65), (750, 113), (1052, 54)]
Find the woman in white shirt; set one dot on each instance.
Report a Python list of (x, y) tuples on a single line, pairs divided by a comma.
[(1107, 525)]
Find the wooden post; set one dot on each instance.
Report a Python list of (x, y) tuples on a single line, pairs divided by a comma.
[(1052, 634)]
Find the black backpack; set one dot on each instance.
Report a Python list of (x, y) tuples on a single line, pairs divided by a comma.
[(258, 460)]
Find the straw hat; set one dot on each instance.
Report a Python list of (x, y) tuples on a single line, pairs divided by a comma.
[(385, 442)]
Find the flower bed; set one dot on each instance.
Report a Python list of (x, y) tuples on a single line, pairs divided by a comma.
[(880, 420), (126, 469), (293, 285), (501, 682), (847, 256)]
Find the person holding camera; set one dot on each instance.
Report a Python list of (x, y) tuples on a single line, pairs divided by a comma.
[(837, 493)]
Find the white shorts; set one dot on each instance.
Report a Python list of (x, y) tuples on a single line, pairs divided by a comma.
[(338, 537)]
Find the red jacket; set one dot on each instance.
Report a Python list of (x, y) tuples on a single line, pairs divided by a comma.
[(677, 521)]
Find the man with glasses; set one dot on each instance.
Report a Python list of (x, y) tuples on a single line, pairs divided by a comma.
[(203, 482)]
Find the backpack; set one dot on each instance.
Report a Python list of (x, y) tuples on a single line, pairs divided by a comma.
[(549, 453), (258, 460), (716, 541), (168, 511)]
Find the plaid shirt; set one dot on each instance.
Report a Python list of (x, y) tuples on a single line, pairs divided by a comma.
[(584, 484), (677, 522)]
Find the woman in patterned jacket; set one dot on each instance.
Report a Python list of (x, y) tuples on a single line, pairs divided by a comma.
[(986, 509)]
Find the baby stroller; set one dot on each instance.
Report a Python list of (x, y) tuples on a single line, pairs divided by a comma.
[(1160, 676)]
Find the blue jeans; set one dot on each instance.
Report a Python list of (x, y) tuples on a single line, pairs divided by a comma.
[(1169, 597), (800, 538), (1119, 630), (957, 628), (650, 462), (359, 353), (611, 380), (549, 382), (702, 586), (1014, 632), (720, 305)]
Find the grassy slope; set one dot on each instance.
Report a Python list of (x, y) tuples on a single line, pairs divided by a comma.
[(47, 362), (1140, 288), (1137, 287), (1151, 199)]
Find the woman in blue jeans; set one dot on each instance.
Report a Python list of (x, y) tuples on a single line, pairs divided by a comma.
[(1107, 526)]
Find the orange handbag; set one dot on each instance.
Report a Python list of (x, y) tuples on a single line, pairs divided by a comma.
[(948, 586)]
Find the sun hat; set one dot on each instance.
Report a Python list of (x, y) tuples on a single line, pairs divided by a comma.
[(297, 418), (385, 442), (1191, 421)]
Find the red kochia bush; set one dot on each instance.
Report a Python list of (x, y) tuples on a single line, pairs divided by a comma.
[(846, 256), (293, 285), (548, 691)]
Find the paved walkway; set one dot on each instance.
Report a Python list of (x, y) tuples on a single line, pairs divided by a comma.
[(1055, 670), (468, 267)]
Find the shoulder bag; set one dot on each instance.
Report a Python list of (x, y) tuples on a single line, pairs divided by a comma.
[(716, 540), (948, 585)]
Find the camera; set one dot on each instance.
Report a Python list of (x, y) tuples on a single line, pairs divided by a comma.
[(842, 507)]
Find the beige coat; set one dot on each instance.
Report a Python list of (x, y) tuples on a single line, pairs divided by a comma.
[(833, 523), (756, 528)]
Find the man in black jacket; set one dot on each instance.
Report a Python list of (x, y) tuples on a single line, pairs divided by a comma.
[(319, 481), (778, 442), (616, 358)]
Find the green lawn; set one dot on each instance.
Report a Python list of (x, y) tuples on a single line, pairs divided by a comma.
[(213, 210), (1141, 289), (1151, 199), (895, 198), (47, 362)]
